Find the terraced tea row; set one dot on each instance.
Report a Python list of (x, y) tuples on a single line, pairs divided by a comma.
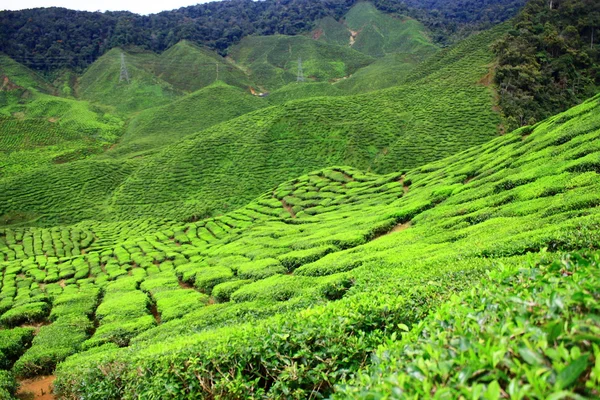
[(303, 244)]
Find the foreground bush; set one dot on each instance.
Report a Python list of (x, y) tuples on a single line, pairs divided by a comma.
[(527, 333)]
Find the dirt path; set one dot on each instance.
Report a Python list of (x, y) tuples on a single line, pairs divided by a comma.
[(288, 208), (405, 188), (39, 388)]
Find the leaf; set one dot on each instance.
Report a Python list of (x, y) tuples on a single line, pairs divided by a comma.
[(530, 356), (572, 372), (403, 327), (493, 391), (554, 331)]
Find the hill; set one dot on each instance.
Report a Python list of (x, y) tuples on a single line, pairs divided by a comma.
[(272, 61), (38, 129), (370, 31), (16, 75), (314, 274), (189, 68), (227, 165), (158, 127), (74, 39), (398, 128), (102, 83)]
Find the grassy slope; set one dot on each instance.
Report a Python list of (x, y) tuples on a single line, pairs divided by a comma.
[(22, 76), (379, 34), (189, 68), (157, 127), (100, 83), (322, 237), (272, 61), (442, 111), (390, 130), (38, 129), (400, 45), (303, 90)]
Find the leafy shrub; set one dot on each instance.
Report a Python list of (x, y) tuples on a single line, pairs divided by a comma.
[(8, 385), (26, 313), (223, 291), (53, 344)]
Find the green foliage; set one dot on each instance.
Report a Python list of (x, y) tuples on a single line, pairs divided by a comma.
[(223, 291), (549, 61), (273, 60), (26, 313), (101, 82), (52, 344), (378, 34), (404, 244), (8, 385), (13, 342), (157, 127), (190, 68), (527, 332)]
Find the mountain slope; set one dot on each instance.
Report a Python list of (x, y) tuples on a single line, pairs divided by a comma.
[(448, 222), (400, 128), (157, 127), (272, 61), (102, 82), (189, 68), (443, 110), (38, 129)]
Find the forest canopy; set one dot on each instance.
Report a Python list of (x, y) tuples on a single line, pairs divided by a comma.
[(47, 39)]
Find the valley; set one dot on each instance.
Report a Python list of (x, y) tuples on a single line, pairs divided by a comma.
[(348, 211)]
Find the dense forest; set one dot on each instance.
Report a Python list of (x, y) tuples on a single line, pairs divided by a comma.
[(550, 61), (52, 38)]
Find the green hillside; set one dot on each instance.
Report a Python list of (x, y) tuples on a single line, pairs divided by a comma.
[(318, 272), (367, 30), (157, 127), (227, 165), (388, 71), (303, 90), (272, 61), (443, 110), (188, 67), (101, 82), (14, 74), (39, 130), (377, 34)]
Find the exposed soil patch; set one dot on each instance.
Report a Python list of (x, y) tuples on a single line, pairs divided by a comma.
[(39, 388), (36, 326), (155, 313), (353, 35), (486, 80), (405, 187), (288, 208), (185, 285), (62, 283), (317, 34), (401, 227), (7, 85)]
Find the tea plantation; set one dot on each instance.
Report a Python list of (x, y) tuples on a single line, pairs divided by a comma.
[(288, 296), (207, 226)]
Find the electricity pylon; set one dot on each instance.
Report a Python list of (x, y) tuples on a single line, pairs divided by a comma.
[(124, 74), (300, 77)]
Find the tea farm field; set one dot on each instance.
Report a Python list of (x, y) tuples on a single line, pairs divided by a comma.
[(290, 295)]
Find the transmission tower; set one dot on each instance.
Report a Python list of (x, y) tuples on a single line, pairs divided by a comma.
[(300, 77), (124, 74)]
